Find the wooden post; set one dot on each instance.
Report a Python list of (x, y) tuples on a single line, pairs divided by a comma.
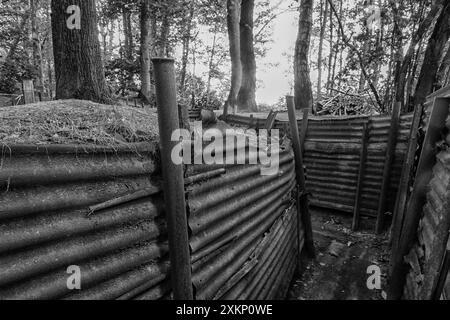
[(405, 180), (417, 199), (304, 129), (173, 180), (302, 200), (28, 91), (390, 156), (362, 169), (271, 119)]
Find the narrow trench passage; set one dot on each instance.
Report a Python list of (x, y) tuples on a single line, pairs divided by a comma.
[(343, 258)]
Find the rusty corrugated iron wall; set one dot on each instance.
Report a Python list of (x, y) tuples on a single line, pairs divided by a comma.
[(426, 257), (332, 154), (244, 230)]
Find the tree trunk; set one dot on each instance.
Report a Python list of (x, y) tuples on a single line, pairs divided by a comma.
[(127, 30), (50, 79), (330, 57), (211, 65), (324, 19), (407, 59), (353, 48), (247, 93), (362, 77), (37, 48), (444, 70), (435, 50), (186, 47), (233, 13), (78, 61), (163, 49), (302, 86), (336, 50), (146, 41)]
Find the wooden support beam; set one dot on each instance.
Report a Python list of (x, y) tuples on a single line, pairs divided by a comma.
[(405, 180), (271, 119), (304, 129), (362, 169), (302, 198), (390, 156), (28, 91), (417, 200)]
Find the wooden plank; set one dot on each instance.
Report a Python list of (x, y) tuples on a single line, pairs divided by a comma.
[(28, 91), (362, 168), (304, 129), (270, 122), (405, 180), (390, 155), (302, 198), (417, 199)]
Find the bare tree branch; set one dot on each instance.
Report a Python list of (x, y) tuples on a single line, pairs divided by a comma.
[(352, 47)]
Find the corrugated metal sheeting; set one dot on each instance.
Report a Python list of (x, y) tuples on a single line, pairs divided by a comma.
[(425, 259), (45, 227), (244, 230), (332, 159)]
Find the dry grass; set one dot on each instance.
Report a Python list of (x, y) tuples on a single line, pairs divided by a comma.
[(76, 122)]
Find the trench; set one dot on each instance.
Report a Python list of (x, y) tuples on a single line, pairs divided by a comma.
[(343, 257)]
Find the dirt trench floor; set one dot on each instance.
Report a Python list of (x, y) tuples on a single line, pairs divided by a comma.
[(343, 259)]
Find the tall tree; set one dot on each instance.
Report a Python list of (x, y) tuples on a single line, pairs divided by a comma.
[(330, 56), (233, 10), (187, 30), (407, 60), (246, 97), (444, 71), (146, 42), (302, 86), (324, 19), (78, 61), (128, 32), (353, 48), (37, 48), (433, 56)]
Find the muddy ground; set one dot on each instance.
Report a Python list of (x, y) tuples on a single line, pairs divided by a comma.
[(343, 257)]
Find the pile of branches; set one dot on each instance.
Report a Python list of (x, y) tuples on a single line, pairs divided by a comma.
[(342, 103)]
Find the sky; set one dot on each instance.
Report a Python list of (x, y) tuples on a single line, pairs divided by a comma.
[(277, 80), (275, 70)]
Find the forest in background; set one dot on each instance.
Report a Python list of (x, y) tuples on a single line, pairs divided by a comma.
[(364, 55)]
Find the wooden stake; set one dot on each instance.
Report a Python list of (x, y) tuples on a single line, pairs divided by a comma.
[(390, 156), (362, 169), (302, 199), (405, 180)]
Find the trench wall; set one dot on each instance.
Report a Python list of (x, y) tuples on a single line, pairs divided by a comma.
[(244, 233), (426, 258), (332, 158)]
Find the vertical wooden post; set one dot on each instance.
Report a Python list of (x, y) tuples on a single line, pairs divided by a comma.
[(173, 180), (302, 200), (362, 169), (304, 129), (28, 91), (390, 156), (417, 199), (405, 180)]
